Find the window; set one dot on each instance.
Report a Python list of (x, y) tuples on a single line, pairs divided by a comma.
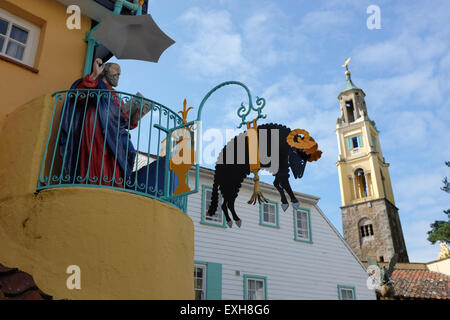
[(361, 183), (354, 142), (350, 111), (346, 293), (19, 38), (207, 280), (302, 225), (255, 287), (200, 282), (268, 214), (366, 228), (217, 219)]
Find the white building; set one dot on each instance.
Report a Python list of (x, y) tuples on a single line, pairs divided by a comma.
[(275, 254)]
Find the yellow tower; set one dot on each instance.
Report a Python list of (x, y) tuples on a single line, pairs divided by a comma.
[(370, 219)]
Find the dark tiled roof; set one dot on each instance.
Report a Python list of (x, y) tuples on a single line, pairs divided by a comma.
[(18, 285), (420, 284)]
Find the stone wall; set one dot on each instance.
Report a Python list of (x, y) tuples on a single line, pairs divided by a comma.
[(397, 233), (388, 236)]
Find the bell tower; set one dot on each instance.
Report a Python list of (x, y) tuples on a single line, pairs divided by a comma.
[(370, 219)]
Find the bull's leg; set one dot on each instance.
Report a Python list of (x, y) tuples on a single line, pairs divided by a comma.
[(233, 212), (284, 202), (225, 212), (284, 181)]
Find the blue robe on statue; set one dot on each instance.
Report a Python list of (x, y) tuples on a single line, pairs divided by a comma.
[(116, 130)]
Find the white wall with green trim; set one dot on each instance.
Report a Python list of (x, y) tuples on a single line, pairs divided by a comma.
[(293, 269)]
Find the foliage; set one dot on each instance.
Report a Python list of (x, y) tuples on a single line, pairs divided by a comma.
[(440, 230)]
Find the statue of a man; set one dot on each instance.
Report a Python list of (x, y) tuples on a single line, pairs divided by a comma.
[(90, 117)]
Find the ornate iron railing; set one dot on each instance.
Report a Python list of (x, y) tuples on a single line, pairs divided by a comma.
[(111, 139)]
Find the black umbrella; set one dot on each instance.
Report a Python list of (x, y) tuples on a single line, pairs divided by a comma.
[(132, 37)]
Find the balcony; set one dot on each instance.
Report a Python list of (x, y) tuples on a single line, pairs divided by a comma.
[(117, 155), (123, 237), (96, 9)]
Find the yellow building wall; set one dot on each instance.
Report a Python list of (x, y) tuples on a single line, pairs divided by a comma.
[(127, 246), (441, 266), (347, 169), (376, 178), (345, 193), (389, 190), (60, 55), (364, 159)]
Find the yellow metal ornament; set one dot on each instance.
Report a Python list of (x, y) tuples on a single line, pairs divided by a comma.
[(255, 165), (183, 158)]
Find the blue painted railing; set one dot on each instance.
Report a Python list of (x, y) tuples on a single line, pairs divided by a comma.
[(70, 156)]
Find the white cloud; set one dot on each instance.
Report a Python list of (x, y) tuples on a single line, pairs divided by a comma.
[(444, 65), (387, 55), (418, 247), (296, 104), (216, 47), (421, 17), (402, 53), (417, 192), (417, 139), (407, 128), (419, 87), (420, 201), (323, 21), (267, 39), (223, 46)]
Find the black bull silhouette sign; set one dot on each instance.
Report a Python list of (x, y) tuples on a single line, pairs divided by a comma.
[(272, 147)]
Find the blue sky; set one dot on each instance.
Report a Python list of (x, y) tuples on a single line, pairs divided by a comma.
[(290, 52)]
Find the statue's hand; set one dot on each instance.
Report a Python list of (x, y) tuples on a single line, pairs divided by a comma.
[(97, 68), (145, 107)]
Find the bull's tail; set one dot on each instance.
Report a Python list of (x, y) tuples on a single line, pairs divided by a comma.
[(214, 199)]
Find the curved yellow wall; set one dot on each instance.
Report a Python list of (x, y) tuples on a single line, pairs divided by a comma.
[(127, 246)]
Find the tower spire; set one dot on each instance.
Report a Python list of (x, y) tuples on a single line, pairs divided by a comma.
[(349, 84)]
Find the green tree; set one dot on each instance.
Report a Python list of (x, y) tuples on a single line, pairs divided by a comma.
[(440, 230)]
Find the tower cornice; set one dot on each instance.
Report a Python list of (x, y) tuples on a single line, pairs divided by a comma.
[(364, 202)]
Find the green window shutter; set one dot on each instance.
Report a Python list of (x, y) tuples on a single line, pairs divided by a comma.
[(214, 281), (349, 143), (359, 141)]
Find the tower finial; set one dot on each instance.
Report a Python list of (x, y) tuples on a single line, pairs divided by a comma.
[(346, 66), (349, 84)]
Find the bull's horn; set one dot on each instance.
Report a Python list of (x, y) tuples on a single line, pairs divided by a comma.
[(303, 144), (314, 148)]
